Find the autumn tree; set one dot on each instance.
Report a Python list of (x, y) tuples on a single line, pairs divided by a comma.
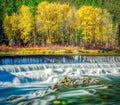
[(6, 7), (10, 25), (95, 24), (46, 23), (49, 16), (25, 24), (113, 6), (43, 23), (64, 24), (18, 26)]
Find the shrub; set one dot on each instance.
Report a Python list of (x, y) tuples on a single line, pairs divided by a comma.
[(68, 50), (117, 51), (3, 46), (105, 51)]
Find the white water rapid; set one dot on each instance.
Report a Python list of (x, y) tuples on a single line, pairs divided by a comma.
[(27, 80), (50, 73)]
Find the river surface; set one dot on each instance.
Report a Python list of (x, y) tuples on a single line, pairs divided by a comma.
[(29, 77)]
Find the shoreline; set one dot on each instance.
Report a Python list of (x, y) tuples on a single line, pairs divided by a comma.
[(11, 55), (58, 51)]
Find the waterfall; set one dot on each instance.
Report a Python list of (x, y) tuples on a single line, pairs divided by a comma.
[(42, 59), (13, 73), (30, 78), (50, 72)]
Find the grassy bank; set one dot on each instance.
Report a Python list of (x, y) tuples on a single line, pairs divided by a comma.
[(56, 51)]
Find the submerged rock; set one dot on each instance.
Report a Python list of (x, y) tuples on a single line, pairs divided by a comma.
[(29, 103), (11, 98), (54, 86), (72, 82)]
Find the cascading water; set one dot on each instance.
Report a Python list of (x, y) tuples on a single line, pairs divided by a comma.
[(28, 76)]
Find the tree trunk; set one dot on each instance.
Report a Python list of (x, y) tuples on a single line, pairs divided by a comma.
[(34, 34), (11, 42), (118, 34)]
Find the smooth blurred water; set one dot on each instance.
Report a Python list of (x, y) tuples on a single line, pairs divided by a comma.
[(55, 59), (101, 94), (29, 77)]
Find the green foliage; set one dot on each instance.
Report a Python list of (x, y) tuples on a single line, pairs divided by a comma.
[(117, 51), (113, 6), (79, 34), (3, 45), (56, 23), (101, 3), (94, 2), (104, 51), (18, 24)]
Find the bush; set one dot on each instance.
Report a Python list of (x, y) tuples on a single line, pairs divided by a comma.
[(117, 51), (59, 51), (104, 51), (3, 46), (68, 50)]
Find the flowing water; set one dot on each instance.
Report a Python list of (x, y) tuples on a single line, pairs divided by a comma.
[(29, 77)]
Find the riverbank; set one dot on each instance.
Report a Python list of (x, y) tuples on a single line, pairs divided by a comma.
[(18, 51)]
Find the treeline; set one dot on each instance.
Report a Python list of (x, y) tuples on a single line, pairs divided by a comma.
[(44, 23)]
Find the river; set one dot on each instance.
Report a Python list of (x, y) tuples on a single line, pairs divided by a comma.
[(28, 77)]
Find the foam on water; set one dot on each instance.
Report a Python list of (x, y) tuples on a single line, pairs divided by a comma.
[(17, 74), (30, 80)]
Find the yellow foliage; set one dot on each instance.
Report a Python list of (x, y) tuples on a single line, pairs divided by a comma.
[(87, 24), (18, 23), (48, 17), (94, 23), (25, 23), (10, 25)]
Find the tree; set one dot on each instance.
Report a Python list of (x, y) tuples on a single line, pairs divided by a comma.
[(48, 17), (64, 27), (89, 20), (33, 7), (6, 7), (39, 22), (25, 24), (10, 25), (113, 6)]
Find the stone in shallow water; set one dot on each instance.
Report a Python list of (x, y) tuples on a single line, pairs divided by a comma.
[(29, 103), (68, 82), (11, 98), (54, 86)]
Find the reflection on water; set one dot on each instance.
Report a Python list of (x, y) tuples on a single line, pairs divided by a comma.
[(28, 83)]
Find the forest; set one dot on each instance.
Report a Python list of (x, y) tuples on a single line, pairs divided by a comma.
[(88, 23)]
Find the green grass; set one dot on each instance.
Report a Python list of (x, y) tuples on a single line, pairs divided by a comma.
[(65, 51)]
